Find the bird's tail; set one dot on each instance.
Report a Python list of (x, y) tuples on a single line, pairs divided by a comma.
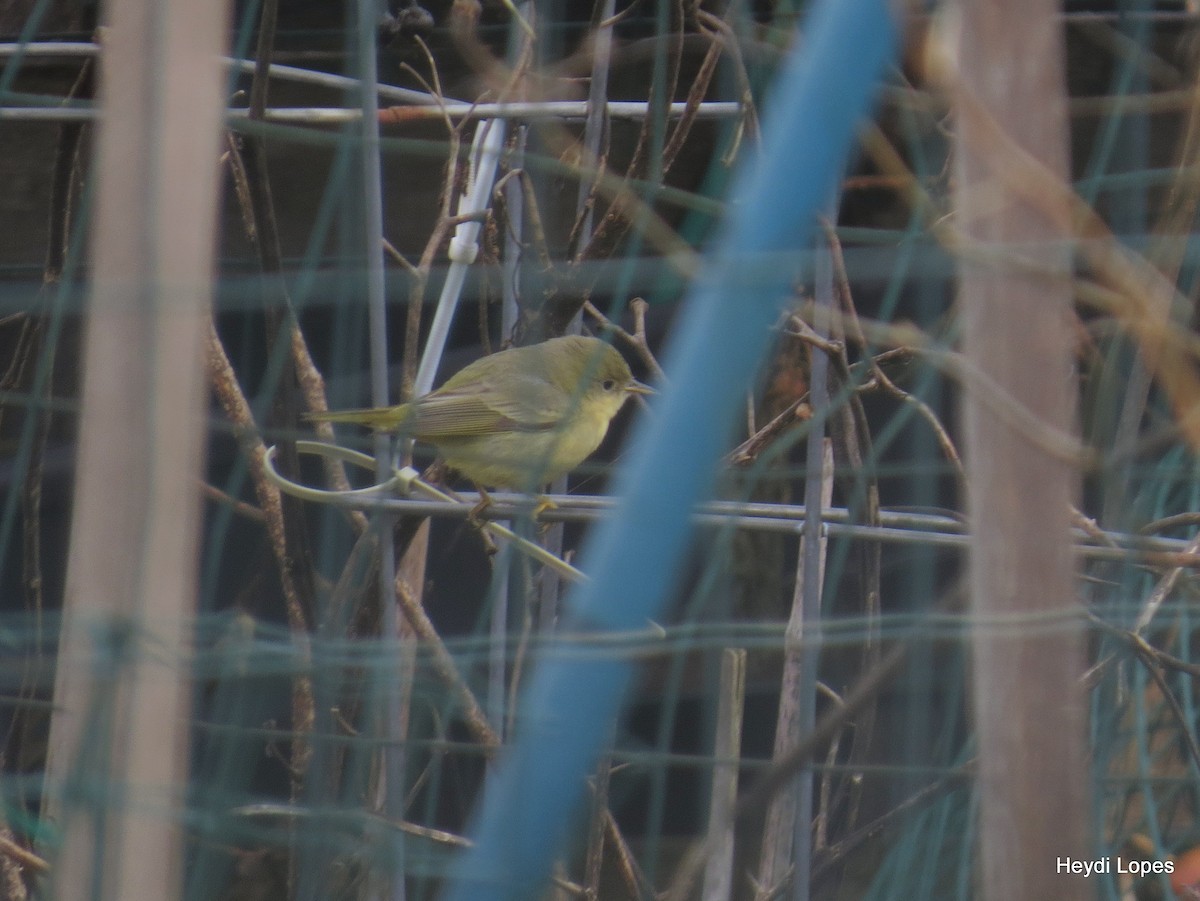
[(383, 419)]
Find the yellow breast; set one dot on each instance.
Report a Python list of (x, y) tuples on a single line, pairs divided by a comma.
[(524, 460)]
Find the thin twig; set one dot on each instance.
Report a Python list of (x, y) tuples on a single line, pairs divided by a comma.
[(727, 747), (23, 856), (34, 364), (1186, 730), (594, 858), (438, 236), (699, 87), (1162, 590), (445, 667), (750, 449), (821, 820), (1170, 522), (237, 409), (721, 30), (637, 339), (239, 507), (836, 852), (1140, 645), (1145, 297), (783, 771), (533, 216), (842, 282)]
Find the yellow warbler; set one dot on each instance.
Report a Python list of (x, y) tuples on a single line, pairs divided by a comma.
[(517, 418)]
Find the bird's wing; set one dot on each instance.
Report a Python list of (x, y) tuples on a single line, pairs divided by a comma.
[(516, 403)]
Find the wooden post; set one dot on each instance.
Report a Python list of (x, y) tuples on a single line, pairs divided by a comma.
[(117, 774), (1028, 653)]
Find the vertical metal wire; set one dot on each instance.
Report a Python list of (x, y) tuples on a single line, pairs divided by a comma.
[(503, 572), (389, 799), (594, 129), (514, 201)]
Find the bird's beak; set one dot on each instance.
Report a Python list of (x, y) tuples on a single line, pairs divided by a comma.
[(636, 387)]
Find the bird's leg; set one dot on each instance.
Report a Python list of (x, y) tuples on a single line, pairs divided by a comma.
[(485, 501), (475, 517), (436, 473), (542, 503), (489, 543)]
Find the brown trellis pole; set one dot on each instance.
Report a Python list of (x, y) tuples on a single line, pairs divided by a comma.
[(1011, 114), (117, 772)]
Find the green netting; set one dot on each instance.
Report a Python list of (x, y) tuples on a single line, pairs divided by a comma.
[(297, 684)]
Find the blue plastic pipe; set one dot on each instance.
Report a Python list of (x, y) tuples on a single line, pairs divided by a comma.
[(567, 712)]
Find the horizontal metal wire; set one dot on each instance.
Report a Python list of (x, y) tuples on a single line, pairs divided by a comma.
[(895, 526), (550, 109), (546, 109), (419, 104), (87, 50), (939, 529)]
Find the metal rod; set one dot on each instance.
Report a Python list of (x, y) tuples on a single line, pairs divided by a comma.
[(88, 50), (389, 699), (550, 109), (464, 246), (791, 520), (946, 530)]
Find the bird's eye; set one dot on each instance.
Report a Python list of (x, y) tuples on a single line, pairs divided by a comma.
[(608, 384)]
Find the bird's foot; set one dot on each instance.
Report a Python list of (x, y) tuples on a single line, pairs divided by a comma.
[(541, 504), (475, 517)]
